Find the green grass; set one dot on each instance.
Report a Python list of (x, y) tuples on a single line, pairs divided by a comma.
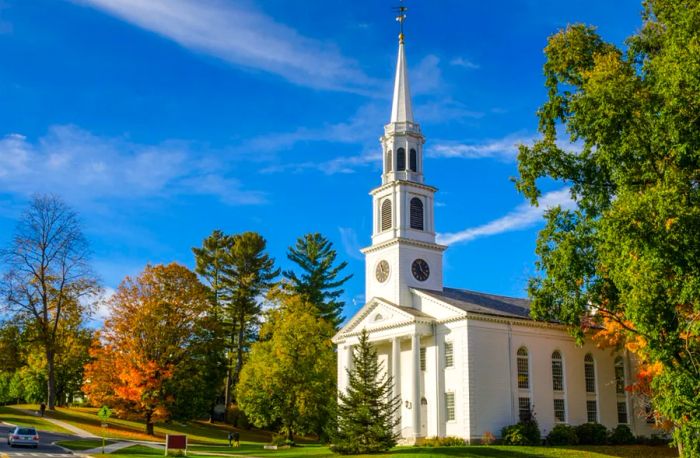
[(17, 417), (83, 444)]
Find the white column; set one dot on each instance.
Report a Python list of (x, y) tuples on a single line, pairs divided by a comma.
[(396, 374), (415, 379)]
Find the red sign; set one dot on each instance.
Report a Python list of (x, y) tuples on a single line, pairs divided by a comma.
[(175, 442)]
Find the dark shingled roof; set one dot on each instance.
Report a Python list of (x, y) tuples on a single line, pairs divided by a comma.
[(484, 303)]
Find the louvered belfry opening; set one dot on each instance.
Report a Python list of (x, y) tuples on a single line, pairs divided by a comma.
[(413, 161), (386, 215), (416, 213), (400, 159), (388, 162)]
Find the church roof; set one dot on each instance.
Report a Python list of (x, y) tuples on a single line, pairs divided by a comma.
[(483, 303), (401, 110)]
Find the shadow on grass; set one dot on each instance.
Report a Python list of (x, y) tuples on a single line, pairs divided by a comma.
[(468, 452)]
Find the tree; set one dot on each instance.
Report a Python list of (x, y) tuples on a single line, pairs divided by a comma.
[(630, 251), (48, 278), (289, 378), (367, 411), (239, 272), (318, 282), (158, 324)]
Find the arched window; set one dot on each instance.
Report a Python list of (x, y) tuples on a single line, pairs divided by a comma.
[(386, 215), (620, 390), (523, 369), (413, 161), (591, 397), (416, 213), (400, 159), (558, 387), (387, 162)]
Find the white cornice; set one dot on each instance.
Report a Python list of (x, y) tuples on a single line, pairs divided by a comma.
[(404, 241), (396, 183)]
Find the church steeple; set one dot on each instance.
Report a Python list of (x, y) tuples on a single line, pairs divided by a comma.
[(403, 254)]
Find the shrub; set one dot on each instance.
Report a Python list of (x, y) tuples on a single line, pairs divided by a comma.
[(592, 434), (488, 438), (449, 441), (281, 440), (523, 433), (562, 435), (621, 435)]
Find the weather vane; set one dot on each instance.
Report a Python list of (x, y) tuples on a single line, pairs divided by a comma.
[(401, 17)]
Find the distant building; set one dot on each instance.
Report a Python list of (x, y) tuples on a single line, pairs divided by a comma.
[(464, 362)]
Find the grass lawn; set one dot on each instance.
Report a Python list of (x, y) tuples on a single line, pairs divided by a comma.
[(494, 451), (16, 417), (83, 444), (197, 431)]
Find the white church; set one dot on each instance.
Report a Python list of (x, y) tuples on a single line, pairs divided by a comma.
[(464, 362)]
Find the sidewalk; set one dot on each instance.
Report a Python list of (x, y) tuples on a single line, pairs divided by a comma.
[(111, 448), (67, 426)]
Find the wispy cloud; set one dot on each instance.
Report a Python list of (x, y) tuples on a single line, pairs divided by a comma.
[(239, 34), (82, 166), (523, 216), (348, 237), (464, 63), (504, 149)]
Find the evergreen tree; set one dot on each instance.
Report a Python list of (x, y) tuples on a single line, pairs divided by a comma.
[(367, 419), (319, 283)]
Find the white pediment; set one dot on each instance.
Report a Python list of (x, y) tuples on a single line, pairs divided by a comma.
[(381, 314)]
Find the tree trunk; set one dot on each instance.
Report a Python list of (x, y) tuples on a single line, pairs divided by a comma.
[(227, 387), (149, 423), (239, 350), (51, 382)]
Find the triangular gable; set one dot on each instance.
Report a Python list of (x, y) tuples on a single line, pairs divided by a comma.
[(379, 313), (432, 305)]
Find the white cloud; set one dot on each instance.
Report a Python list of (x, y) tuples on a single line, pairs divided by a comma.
[(465, 63), (79, 165), (239, 34), (505, 149), (523, 216), (351, 245)]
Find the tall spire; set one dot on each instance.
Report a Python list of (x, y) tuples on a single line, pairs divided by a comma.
[(401, 110)]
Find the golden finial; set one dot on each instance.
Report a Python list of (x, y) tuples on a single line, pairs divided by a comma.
[(400, 18)]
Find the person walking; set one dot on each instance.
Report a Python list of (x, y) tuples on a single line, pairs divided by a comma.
[(236, 439), (230, 439), (42, 408)]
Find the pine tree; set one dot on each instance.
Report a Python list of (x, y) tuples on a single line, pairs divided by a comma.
[(318, 283), (367, 419)]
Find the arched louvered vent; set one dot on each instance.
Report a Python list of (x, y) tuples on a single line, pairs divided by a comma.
[(386, 215), (400, 159), (413, 161), (387, 162), (416, 213)]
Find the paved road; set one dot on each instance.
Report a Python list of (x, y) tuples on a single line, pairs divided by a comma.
[(45, 448)]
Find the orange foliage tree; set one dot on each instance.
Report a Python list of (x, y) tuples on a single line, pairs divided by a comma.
[(156, 321)]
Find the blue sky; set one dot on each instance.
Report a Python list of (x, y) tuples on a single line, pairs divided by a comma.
[(162, 120)]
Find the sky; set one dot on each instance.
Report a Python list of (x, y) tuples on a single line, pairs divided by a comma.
[(160, 121)]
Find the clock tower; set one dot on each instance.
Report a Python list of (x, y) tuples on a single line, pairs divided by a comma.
[(403, 253)]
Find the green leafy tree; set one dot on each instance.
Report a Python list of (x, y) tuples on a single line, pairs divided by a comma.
[(630, 251), (289, 378), (319, 281), (367, 411)]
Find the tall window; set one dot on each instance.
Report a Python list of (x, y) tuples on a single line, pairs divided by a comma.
[(386, 215), (523, 369), (387, 162), (620, 390), (400, 159), (450, 406), (592, 411), (449, 356), (558, 387), (422, 358), (524, 408), (589, 372), (416, 213), (413, 161)]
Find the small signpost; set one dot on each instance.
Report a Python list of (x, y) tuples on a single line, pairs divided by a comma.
[(104, 413), (175, 442)]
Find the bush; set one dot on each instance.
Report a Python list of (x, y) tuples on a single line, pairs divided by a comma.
[(562, 435), (281, 440), (654, 439), (487, 438), (449, 441), (522, 433), (621, 435), (592, 434)]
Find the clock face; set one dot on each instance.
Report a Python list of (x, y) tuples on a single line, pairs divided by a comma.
[(420, 270), (382, 271)]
